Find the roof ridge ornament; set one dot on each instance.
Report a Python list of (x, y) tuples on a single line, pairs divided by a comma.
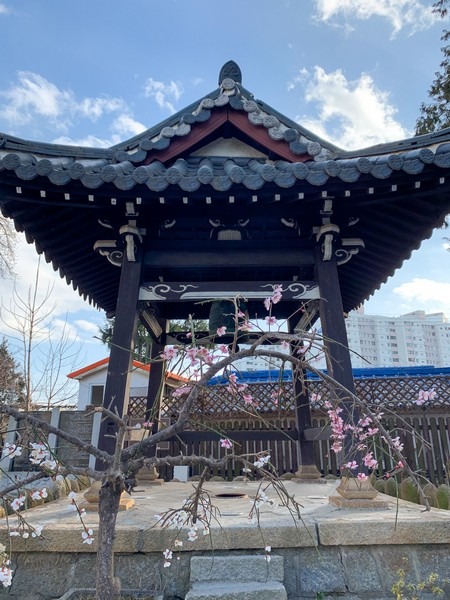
[(230, 70)]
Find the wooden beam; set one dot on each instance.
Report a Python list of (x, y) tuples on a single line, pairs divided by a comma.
[(261, 135), (239, 436), (180, 291), (199, 132), (221, 258)]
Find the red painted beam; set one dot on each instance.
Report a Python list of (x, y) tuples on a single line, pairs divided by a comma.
[(201, 131)]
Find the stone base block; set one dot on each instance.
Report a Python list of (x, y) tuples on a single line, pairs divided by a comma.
[(271, 590), (147, 475), (353, 489), (359, 503), (315, 481), (126, 502), (308, 472)]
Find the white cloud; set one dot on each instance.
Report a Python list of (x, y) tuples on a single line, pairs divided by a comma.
[(351, 114), (4, 10), (63, 298), (125, 126), (33, 96), (90, 141), (122, 128), (410, 14), (87, 327), (162, 92), (425, 294), (94, 108)]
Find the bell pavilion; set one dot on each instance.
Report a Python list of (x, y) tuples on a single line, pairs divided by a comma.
[(226, 197)]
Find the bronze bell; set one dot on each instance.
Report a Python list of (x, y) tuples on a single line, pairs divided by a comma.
[(223, 313)]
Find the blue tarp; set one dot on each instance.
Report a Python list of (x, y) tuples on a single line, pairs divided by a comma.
[(274, 375)]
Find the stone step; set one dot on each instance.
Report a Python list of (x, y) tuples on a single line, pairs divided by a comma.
[(250, 590), (236, 568)]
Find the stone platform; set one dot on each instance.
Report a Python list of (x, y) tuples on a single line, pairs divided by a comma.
[(351, 554)]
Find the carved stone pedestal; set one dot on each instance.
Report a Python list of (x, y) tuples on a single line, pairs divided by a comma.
[(353, 493), (308, 473), (92, 496), (149, 476)]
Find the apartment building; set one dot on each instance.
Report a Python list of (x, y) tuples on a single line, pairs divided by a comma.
[(409, 340), (416, 338)]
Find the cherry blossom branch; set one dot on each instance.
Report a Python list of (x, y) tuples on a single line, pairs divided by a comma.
[(18, 484)]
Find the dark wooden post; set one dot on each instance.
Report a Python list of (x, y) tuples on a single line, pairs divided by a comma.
[(121, 355), (332, 319), (307, 468), (156, 381), (155, 389), (333, 323), (350, 490)]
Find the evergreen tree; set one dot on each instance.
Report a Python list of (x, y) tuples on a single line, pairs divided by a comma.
[(435, 114), (12, 383), (143, 341)]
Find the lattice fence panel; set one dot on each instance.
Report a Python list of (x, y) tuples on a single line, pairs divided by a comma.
[(424, 430)]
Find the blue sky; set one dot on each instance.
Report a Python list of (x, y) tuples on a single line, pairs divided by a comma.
[(97, 72)]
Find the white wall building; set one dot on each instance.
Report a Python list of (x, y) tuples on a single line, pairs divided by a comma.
[(92, 380)]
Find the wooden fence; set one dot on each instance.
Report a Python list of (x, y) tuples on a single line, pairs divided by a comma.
[(269, 425)]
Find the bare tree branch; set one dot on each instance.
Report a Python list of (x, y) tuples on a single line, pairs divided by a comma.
[(71, 439)]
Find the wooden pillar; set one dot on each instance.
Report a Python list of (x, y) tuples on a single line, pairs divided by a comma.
[(155, 389), (121, 355), (332, 319), (337, 352), (339, 366), (307, 468)]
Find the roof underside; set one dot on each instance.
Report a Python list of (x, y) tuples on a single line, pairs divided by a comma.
[(231, 162)]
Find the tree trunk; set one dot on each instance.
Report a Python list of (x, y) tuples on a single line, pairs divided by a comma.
[(107, 585)]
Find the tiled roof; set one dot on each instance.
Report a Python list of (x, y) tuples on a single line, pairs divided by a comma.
[(136, 162), (274, 174)]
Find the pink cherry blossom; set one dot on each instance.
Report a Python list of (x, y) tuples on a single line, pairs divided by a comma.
[(425, 395), (182, 391), (396, 443), (246, 326), (370, 461), (351, 465), (221, 331), (228, 444), (277, 295), (362, 477), (17, 503), (271, 320), (169, 353)]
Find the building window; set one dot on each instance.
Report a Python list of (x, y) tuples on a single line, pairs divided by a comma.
[(97, 394)]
